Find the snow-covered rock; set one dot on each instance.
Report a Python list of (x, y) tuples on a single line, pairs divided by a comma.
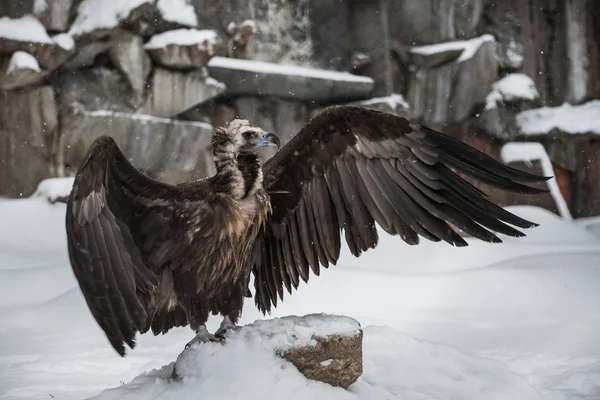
[(246, 77), (449, 92), (508, 96), (55, 190), (567, 118), (185, 48), (131, 60), (21, 69), (29, 35), (181, 12), (393, 104), (53, 14), (173, 92), (160, 147), (325, 348)]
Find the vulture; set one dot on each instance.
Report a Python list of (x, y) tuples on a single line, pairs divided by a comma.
[(149, 255)]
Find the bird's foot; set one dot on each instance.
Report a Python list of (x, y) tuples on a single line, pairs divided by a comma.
[(226, 326), (203, 336)]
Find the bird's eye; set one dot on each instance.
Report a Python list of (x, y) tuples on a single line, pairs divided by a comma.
[(247, 135)]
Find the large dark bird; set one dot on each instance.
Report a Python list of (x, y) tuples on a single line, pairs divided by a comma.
[(150, 255)]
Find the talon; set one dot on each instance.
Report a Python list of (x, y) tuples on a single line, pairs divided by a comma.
[(203, 336)]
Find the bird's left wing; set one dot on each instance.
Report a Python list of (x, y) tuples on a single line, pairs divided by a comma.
[(351, 167)]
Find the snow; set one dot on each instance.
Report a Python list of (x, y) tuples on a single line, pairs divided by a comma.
[(21, 60), (178, 11), (29, 29), (468, 47), (53, 188), (284, 69), (395, 100), (149, 118), (102, 14), (510, 88), (184, 37), (528, 152), (566, 118), (518, 320)]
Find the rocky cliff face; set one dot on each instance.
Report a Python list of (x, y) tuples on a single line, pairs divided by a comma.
[(158, 74)]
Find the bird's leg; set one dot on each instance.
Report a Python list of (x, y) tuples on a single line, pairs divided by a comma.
[(226, 325), (203, 336)]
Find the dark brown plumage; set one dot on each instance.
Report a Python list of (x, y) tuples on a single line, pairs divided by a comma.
[(149, 255)]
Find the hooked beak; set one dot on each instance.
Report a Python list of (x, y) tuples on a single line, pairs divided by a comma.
[(267, 139)]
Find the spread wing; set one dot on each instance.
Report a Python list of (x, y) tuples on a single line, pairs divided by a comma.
[(120, 232), (350, 168)]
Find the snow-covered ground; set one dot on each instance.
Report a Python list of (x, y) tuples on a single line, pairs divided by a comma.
[(519, 320)]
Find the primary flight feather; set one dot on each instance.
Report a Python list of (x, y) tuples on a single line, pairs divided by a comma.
[(150, 255)]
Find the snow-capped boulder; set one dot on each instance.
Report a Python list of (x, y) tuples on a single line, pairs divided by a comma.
[(509, 96), (172, 92), (258, 78), (20, 69), (449, 93), (29, 35), (53, 14), (185, 48), (325, 348), (128, 55)]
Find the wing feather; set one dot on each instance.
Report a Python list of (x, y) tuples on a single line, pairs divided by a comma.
[(350, 169)]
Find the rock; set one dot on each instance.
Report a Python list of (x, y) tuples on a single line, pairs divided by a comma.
[(421, 22), (142, 17), (240, 37), (86, 54), (326, 348), (331, 34), (21, 69), (369, 21), (450, 92), (28, 137), (162, 148), (256, 78), (185, 48), (335, 359), (53, 14), (171, 92), (467, 15), (95, 89), (29, 35), (131, 60), (434, 59)]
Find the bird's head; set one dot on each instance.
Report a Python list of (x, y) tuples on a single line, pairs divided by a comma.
[(250, 138)]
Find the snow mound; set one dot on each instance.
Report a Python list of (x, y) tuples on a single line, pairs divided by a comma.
[(54, 188), (510, 88), (178, 11), (184, 37), (469, 47), (566, 118), (395, 366), (29, 29), (21, 60), (283, 69), (102, 14)]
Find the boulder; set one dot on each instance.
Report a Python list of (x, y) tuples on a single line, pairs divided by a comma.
[(331, 34), (172, 92), (450, 92), (257, 78), (185, 48), (87, 53), (53, 14), (239, 38), (100, 18), (28, 137), (167, 149), (21, 69), (509, 96), (129, 57), (96, 88), (326, 348), (29, 35)]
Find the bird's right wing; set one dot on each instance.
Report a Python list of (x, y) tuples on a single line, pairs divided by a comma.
[(116, 217)]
